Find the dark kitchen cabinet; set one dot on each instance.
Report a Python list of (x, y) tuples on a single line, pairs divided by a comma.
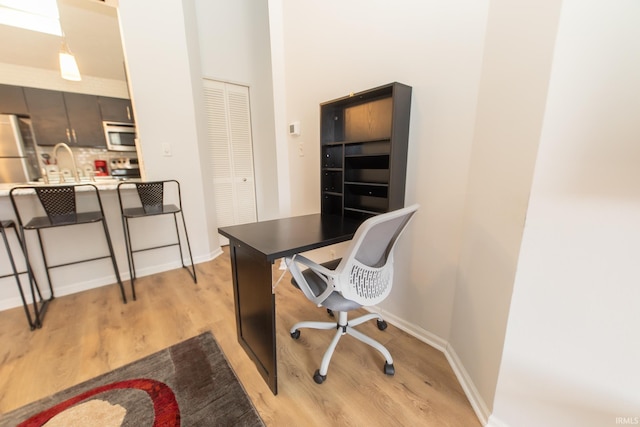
[(72, 118), (85, 120), (12, 100), (48, 116), (116, 109), (364, 140)]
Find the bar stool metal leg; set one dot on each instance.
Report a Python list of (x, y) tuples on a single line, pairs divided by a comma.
[(35, 289), (192, 272), (130, 261), (39, 309), (44, 259), (113, 261)]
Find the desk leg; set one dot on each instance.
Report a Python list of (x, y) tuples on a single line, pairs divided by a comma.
[(255, 309)]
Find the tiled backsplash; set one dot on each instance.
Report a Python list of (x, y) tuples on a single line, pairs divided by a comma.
[(84, 156)]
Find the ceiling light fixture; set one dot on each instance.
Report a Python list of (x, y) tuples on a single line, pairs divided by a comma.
[(68, 65)]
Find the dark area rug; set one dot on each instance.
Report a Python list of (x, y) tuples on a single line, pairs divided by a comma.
[(188, 384)]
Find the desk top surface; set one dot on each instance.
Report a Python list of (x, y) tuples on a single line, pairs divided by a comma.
[(287, 236)]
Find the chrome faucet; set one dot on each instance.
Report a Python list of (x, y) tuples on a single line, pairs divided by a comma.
[(73, 159)]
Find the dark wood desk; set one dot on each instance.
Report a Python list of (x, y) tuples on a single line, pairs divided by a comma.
[(253, 249)]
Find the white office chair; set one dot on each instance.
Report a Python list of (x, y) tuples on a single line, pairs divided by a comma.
[(363, 277)]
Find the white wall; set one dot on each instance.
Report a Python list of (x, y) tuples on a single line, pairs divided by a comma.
[(435, 47), (571, 351), (167, 58), (164, 74), (235, 47), (515, 73)]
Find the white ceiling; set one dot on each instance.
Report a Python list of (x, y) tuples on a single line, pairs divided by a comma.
[(93, 35)]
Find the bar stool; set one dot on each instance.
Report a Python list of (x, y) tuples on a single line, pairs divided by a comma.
[(59, 205), (4, 227), (150, 201)]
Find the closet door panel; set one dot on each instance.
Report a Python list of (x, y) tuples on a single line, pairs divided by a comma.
[(241, 152), (230, 151)]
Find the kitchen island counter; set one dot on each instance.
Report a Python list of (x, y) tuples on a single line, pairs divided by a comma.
[(101, 184)]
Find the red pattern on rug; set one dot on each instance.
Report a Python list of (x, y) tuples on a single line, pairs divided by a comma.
[(165, 405)]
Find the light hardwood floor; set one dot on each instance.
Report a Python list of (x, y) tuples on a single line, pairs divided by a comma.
[(92, 332)]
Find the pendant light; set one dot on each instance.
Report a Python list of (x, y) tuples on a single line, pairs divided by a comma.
[(68, 65)]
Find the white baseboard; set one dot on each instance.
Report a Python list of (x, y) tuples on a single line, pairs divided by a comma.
[(470, 390), (413, 330), (477, 402), (63, 290), (60, 291), (155, 269), (495, 422)]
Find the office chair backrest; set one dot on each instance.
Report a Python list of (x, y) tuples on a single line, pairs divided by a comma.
[(366, 270)]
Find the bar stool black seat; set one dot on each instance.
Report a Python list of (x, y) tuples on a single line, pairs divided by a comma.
[(60, 208), (150, 201), (35, 290)]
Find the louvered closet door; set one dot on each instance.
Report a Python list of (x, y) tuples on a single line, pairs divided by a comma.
[(230, 151)]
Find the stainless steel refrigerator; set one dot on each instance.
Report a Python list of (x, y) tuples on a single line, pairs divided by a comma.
[(18, 155)]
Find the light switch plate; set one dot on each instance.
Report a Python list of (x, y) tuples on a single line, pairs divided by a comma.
[(166, 149)]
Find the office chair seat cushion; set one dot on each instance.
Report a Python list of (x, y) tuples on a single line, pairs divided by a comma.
[(334, 301)]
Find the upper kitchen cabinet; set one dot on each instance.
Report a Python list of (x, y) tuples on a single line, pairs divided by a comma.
[(116, 109), (12, 100), (49, 116), (72, 118), (85, 120)]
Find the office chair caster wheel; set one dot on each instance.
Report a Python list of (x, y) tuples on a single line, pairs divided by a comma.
[(330, 312), (319, 379), (295, 334), (382, 325), (389, 369)]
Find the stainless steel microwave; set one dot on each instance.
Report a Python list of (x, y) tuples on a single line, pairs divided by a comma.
[(120, 136)]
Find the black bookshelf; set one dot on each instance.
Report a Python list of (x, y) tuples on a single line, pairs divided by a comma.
[(364, 138)]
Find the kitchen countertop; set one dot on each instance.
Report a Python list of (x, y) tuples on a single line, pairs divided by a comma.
[(101, 184)]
